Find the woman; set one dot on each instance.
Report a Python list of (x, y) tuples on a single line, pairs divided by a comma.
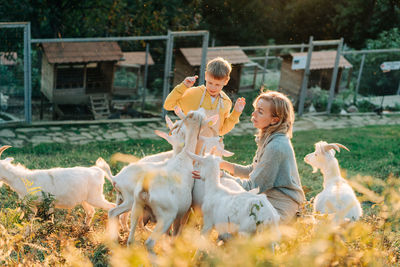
[(274, 168)]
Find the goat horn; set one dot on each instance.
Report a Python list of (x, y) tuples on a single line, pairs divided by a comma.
[(3, 148), (335, 146), (331, 146), (342, 146)]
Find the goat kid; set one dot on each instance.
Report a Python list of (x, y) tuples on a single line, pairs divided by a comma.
[(231, 211), (167, 190), (69, 186), (337, 197)]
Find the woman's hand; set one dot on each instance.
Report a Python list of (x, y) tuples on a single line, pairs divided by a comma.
[(227, 166)]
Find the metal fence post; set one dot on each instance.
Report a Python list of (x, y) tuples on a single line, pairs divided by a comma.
[(265, 66), (304, 84), (398, 89), (359, 78), (27, 73), (203, 58), (167, 69), (334, 77), (146, 69)]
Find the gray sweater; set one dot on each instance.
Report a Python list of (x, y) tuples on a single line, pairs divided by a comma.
[(274, 167)]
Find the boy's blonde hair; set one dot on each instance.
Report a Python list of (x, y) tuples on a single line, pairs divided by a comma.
[(219, 68), (282, 108)]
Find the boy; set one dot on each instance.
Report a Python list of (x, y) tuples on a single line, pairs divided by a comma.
[(210, 97)]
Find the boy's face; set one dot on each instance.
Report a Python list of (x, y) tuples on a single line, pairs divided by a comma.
[(213, 85)]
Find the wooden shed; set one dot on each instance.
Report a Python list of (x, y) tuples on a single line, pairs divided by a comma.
[(129, 75), (321, 69), (71, 72), (8, 58), (188, 61)]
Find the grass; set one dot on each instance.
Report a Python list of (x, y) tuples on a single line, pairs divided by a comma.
[(374, 162)]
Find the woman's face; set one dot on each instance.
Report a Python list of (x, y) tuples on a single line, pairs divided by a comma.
[(261, 116)]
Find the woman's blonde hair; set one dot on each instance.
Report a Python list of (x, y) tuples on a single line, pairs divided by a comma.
[(282, 108)]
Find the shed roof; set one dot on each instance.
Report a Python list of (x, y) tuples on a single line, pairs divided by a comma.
[(133, 59), (73, 52), (234, 56), (8, 58), (324, 60)]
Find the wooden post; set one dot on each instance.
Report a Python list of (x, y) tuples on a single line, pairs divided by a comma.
[(359, 78), (334, 77), (146, 67), (265, 66)]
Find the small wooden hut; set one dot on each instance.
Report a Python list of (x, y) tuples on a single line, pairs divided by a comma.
[(321, 68), (8, 58), (71, 72), (188, 61), (129, 75)]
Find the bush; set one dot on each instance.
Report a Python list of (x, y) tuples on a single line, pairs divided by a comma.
[(366, 106), (318, 97)]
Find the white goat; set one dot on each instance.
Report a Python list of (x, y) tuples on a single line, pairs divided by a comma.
[(231, 211), (167, 187), (337, 196), (69, 186), (215, 146), (125, 181)]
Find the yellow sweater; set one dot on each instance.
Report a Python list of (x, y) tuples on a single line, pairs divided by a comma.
[(189, 99)]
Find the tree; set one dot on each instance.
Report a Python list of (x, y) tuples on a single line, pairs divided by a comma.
[(374, 81)]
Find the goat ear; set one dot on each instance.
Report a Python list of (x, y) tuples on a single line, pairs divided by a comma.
[(178, 111), (194, 156), (227, 153), (169, 122), (163, 135), (212, 120)]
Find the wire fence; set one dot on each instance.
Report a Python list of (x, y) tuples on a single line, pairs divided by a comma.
[(60, 81), (13, 91)]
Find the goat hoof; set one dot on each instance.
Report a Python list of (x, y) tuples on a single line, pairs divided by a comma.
[(150, 245), (224, 237)]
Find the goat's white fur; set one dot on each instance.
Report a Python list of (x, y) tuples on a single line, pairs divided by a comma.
[(231, 211), (167, 187), (216, 146), (337, 196), (69, 186)]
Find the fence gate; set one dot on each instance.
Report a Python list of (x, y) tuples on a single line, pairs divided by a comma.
[(15, 68)]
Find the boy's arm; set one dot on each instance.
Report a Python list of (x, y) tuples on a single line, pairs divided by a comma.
[(229, 122), (172, 99)]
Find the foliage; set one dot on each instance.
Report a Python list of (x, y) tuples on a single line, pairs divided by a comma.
[(374, 81), (365, 106)]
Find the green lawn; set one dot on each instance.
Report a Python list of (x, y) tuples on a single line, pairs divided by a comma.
[(374, 151)]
